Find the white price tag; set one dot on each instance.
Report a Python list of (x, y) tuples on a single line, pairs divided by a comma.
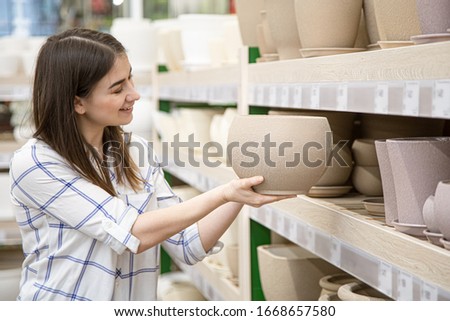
[(441, 98), (335, 252), (381, 98), (310, 239), (284, 97), (297, 96), (428, 292), (259, 95), (272, 95), (315, 96), (405, 287), (411, 95), (251, 92), (385, 278), (280, 226), (342, 97), (293, 232)]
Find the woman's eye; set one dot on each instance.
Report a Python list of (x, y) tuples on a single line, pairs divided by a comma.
[(118, 91)]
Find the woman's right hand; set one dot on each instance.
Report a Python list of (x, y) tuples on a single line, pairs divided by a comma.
[(241, 191)]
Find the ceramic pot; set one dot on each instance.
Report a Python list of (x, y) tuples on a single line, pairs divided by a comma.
[(442, 206), (266, 43), (418, 164), (364, 152), (434, 16), (232, 253), (337, 174), (283, 28), (358, 291), (329, 297), (170, 43), (387, 182), (289, 151), (396, 20), (330, 284), (288, 272), (248, 13), (429, 215), (371, 21), (328, 23), (367, 180)]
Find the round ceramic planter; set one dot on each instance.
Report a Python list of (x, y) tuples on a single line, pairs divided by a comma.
[(396, 20), (371, 21), (429, 215), (364, 152), (441, 207), (367, 180), (387, 182), (337, 174), (232, 253), (289, 151), (283, 27), (290, 273), (418, 164), (248, 13), (358, 291), (330, 284), (328, 23), (434, 16)]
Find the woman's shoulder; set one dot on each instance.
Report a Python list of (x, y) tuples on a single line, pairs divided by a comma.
[(32, 153)]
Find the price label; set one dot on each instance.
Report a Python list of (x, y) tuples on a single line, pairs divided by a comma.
[(310, 239), (315, 96), (385, 278), (441, 98), (411, 93), (428, 292), (342, 97), (284, 96), (381, 98), (405, 287), (297, 96), (335, 250), (272, 95), (259, 95), (280, 226), (293, 232)]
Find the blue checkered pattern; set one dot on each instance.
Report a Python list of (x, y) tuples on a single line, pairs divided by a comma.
[(76, 237)]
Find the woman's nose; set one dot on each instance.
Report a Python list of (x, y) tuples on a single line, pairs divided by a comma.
[(133, 95)]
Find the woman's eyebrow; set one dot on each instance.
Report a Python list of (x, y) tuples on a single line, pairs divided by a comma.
[(119, 81)]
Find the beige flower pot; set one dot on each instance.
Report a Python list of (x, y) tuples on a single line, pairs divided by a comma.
[(330, 284), (283, 28), (248, 13), (371, 21), (441, 207), (418, 164), (328, 23), (364, 152), (396, 20), (358, 291), (367, 180), (289, 151), (288, 272), (434, 16)]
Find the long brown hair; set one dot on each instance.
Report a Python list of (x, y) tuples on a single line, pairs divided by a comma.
[(71, 64)]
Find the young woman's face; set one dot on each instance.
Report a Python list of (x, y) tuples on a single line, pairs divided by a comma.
[(111, 101)]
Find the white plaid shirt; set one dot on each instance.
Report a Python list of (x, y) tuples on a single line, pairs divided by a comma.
[(76, 237)]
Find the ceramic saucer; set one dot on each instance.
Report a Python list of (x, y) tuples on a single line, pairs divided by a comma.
[(328, 191), (445, 243), (394, 44), (319, 52), (410, 229), (374, 206), (434, 238), (429, 38)]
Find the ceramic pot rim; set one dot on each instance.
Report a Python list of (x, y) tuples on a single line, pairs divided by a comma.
[(419, 140)]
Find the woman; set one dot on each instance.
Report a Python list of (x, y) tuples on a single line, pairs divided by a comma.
[(91, 220)]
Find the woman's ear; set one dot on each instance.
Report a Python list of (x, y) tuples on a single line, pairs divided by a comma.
[(79, 106)]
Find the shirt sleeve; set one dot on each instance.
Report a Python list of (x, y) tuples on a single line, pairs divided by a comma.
[(43, 184)]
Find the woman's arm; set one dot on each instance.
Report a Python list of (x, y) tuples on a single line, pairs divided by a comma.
[(153, 227)]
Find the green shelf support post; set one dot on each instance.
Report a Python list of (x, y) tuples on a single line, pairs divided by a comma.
[(259, 235), (166, 262)]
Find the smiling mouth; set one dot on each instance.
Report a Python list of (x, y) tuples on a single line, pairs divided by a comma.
[(126, 109)]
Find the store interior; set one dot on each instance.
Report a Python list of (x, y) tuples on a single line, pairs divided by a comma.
[(371, 223)]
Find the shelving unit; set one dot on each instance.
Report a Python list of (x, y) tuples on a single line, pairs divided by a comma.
[(409, 81)]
